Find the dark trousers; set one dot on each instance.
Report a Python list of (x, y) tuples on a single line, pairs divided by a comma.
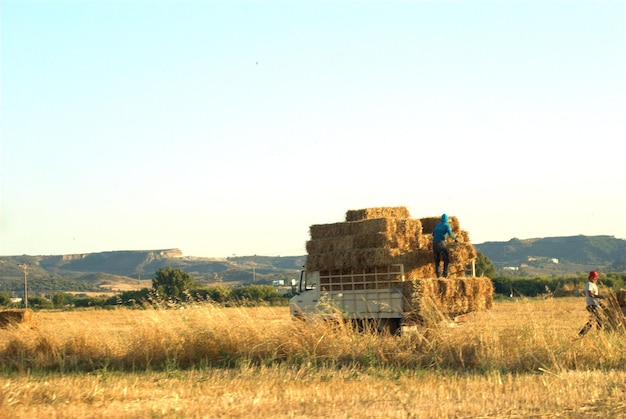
[(594, 318), (440, 252)]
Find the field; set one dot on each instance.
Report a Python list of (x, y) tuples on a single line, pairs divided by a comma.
[(520, 359)]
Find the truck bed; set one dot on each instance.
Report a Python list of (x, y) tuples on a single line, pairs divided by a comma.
[(372, 292)]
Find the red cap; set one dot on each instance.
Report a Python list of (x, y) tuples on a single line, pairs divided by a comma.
[(593, 275)]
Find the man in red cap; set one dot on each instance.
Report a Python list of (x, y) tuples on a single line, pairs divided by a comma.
[(592, 299)]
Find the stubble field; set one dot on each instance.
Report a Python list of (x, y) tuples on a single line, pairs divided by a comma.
[(520, 359)]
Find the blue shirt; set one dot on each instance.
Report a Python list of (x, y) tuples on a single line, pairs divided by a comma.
[(442, 230)]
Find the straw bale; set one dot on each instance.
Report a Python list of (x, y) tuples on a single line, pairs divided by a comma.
[(416, 259), (332, 244), (381, 212), (375, 225), (13, 317), (379, 232), (409, 233), (353, 242), (364, 241), (424, 271), (429, 223), (462, 252), (357, 259), (325, 231), (423, 242), (421, 264), (451, 296)]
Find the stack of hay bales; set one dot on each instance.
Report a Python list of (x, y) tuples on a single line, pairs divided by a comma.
[(374, 237)]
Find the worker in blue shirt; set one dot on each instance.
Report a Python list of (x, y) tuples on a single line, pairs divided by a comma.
[(440, 251)]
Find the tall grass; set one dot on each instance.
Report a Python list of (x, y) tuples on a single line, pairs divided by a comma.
[(522, 336), (521, 359)]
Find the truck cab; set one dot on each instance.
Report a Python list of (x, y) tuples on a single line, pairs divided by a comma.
[(306, 295)]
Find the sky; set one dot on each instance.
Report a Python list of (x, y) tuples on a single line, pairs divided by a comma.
[(229, 127)]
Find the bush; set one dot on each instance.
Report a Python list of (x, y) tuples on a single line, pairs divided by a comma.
[(5, 299), (39, 303), (255, 293), (90, 302), (219, 294)]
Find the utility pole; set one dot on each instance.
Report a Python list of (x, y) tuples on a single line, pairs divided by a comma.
[(25, 266)]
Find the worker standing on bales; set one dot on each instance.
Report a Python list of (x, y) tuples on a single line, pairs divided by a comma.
[(440, 251), (592, 299)]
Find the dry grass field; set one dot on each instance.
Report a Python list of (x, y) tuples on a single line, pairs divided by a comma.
[(520, 359)]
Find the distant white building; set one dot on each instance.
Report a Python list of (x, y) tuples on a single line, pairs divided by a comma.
[(510, 268)]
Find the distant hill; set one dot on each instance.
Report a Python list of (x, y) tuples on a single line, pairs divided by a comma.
[(134, 269), (572, 254)]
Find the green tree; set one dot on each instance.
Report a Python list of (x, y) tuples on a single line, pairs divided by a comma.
[(58, 300), (5, 299), (485, 267), (172, 283)]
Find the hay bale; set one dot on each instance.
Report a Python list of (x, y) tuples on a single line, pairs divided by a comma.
[(13, 317), (429, 223), (381, 212), (451, 297), (390, 233), (355, 258), (325, 231), (462, 252), (462, 236), (420, 263), (327, 245), (423, 271), (409, 227), (415, 260)]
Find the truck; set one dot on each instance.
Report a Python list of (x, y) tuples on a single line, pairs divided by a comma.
[(376, 270), (371, 297)]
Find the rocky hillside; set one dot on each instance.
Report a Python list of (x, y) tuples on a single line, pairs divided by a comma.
[(93, 271), (559, 254)]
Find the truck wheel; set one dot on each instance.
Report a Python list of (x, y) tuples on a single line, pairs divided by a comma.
[(391, 326)]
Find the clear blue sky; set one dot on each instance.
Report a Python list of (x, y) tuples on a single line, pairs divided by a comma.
[(230, 127)]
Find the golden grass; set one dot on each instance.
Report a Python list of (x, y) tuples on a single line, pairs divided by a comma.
[(301, 393), (12, 317), (520, 359)]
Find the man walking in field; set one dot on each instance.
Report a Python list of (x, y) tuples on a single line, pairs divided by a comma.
[(592, 299), (440, 251)]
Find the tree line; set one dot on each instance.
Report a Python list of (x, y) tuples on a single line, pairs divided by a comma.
[(532, 287), (173, 287), (170, 287)]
